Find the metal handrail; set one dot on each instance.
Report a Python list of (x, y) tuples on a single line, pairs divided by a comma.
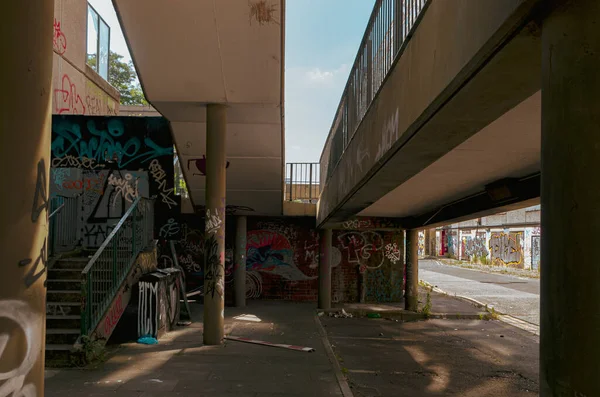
[(302, 182), (390, 27), (61, 232), (110, 264)]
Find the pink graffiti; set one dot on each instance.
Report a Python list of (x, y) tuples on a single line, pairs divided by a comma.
[(59, 41)]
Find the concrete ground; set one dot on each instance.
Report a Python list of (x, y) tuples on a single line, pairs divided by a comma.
[(181, 366), (517, 296), (467, 358)]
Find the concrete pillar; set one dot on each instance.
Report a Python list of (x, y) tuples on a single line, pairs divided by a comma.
[(239, 254), (214, 246), (411, 295), (326, 236), (427, 243), (25, 130), (570, 323)]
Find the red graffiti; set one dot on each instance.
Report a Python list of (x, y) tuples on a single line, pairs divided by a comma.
[(94, 184), (59, 40), (201, 165), (113, 316), (66, 98)]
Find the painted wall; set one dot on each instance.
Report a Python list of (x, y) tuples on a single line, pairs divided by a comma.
[(77, 89), (283, 256), (108, 162)]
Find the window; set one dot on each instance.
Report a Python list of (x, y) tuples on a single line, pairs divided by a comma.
[(98, 43)]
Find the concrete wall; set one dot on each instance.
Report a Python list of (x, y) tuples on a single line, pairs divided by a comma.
[(283, 257), (77, 88), (138, 110), (449, 45)]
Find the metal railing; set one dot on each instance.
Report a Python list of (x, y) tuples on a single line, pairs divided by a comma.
[(62, 233), (302, 182), (105, 272), (390, 26)]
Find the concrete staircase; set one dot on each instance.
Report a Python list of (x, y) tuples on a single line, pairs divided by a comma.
[(63, 309)]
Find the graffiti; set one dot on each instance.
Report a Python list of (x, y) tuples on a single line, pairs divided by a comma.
[(124, 188), (59, 176), (59, 41), (253, 284), (148, 309), (94, 183), (39, 266), (97, 101), (506, 249), (389, 135), (66, 98), (95, 235), (311, 252), (213, 275), (54, 309), (72, 161), (113, 316), (279, 227), (381, 286), (40, 198), (270, 252), (159, 176), (14, 373), (104, 144), (535, 252), (212, 222), (393, 253), (262, 12), (357, 224), (229, 209), (171, 228), (363, 248), (474, 247), (421, 244), (201, 165)]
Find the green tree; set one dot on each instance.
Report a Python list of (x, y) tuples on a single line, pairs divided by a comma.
[(123, 77)]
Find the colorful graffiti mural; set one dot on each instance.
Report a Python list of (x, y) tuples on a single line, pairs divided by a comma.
[(108, 162), (506, 249), (282, 259)]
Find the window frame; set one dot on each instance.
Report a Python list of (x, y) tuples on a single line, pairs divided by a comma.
[(100, 20)]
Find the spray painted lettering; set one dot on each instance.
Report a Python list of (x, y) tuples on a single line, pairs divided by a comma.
[(506, 249)]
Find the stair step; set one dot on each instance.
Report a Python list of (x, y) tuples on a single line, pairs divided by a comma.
[(64, 296), (62, 336), (63, 284), (71, 263), (58, 321), (61, 331), (65, 274), (59, 347), (63, 308)]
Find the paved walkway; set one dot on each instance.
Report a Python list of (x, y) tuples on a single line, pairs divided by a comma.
[(517, 296), (181, 366), (467, 358)]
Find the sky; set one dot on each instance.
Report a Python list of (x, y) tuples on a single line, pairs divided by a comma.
[(322, 38)]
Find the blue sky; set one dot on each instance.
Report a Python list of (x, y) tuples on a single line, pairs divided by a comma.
[(322, 38)]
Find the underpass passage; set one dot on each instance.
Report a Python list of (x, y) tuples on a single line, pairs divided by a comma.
[(507, 294)]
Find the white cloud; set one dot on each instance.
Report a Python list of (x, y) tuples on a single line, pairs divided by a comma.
[(317, 75)]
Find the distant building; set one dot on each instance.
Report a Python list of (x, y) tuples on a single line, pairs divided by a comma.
[(81, 43)]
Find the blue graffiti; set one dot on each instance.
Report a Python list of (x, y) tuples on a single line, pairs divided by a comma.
[(264, 258), (104, 145)]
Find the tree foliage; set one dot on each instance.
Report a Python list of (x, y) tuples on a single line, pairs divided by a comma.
[(123, 77)]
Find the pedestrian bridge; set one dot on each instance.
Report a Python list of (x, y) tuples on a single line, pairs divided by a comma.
[(440, 118)]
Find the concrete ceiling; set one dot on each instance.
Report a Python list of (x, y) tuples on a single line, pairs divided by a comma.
[(470, 166), (189, 53)]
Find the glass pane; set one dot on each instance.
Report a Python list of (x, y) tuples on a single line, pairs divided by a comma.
[(104, 49), (92, 38)]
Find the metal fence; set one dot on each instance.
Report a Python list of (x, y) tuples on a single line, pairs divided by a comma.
[(302, 182), (109, 266), (62, 233), (390, 26)]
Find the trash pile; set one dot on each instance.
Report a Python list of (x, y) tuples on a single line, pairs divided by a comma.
[(340, 314)]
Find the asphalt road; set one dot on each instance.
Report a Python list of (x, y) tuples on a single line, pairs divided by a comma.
[(517, 296)]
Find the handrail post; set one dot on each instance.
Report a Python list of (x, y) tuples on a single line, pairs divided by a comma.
[(310, 172), (133, 227), (291, 179), (114, 264)]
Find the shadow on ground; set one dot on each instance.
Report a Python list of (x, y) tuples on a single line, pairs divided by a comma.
[(435, 357)]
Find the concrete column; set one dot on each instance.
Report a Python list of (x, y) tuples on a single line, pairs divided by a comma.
[(411, 295), (570, 323), (214, 246), (427, 243), (25, 130), (239, 254), (325, 241)]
